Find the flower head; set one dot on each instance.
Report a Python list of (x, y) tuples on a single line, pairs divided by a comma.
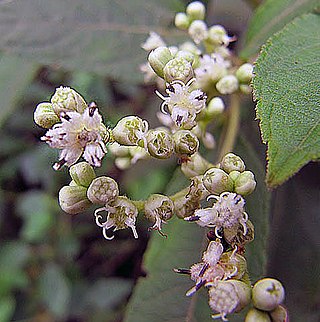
[(76, 135), (182, 103)]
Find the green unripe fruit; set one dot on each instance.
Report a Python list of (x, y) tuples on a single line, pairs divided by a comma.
[(245, 183), (255, 315)]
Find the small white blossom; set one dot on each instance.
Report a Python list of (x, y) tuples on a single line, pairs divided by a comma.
[(153, 41), (182, 103), (76, 135)]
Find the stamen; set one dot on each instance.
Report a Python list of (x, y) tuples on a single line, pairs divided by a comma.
[(92, 108), (65, 116), (160, 95), (58, 165), (213, 197), (104, 232), (192, 218), (216, 231), (185, 271)]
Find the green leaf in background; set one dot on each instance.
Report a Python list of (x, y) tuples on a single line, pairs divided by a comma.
[(15, 75), (287, 90), (54, 290), (37, 209), (97, 36), (7, 306), (269, 18)]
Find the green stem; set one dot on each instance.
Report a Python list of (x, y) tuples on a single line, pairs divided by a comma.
[(232, 126)]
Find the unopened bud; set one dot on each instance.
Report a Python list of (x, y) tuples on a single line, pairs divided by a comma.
[(232, 162), (234, 175), (130, 130), (217, 35), (245, 89), (227, 84), (245, 73), (185, 142), (82, 173), (187, 55), (103, 190), (196, 165), (178, 69), (160, 144), (198, 31), (215, 107), (255, 315), (181, 21), (196, 10), (267, 294), (217, 181), (154, 41), (158, 58), (66, 99), (245, 183), (279, 314), (73, 199), (45, 116)]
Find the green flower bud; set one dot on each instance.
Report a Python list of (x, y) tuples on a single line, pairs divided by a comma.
[(245, 73), (196, 165), (245, 183), (73, 199), (187, 55), (198, 31), (82, 173), (229, 296), (196, 10), (181, 21), (130, 130), (234, 175), (217, 181), (160, 144), (73, 183), (178, 69), (227, 84), (255, 315), (185, 142), (66, 99), (103, 190), (217, 35), (279, 314), (232, 162), (245, 89), (215, 107), (158, 209), (158, 58), (267, 294), (45, 116)]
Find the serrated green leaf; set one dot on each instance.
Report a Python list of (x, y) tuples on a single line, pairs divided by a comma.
[(54, 290), (269, 18), (98, 36), (15, 75), (287, 90)]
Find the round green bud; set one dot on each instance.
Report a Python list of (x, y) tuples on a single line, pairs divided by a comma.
[(234, 175), (185, 142), (187, 55), (245, 183), (227, 84), (159, 207), (215, 107), (181, 21), (158, 58), (130, 130), (103, 190), (245, 73), (196, 10), (66, 99), (45, 116), (198, 31), (267, 294), (279, 314), (255, 315), (245, 89), (73, 183), (73, 199), (178, 69), (217, 35), (82, 173), (196, 165), (160, 144), (232, 162), (217, 181)]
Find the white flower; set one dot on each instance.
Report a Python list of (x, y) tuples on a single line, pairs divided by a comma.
[(153, 41), (120, 215), (78, 134), (213, 253), (182, 103)]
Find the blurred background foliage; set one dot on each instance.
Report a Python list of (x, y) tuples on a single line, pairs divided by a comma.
[(56, 267)]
